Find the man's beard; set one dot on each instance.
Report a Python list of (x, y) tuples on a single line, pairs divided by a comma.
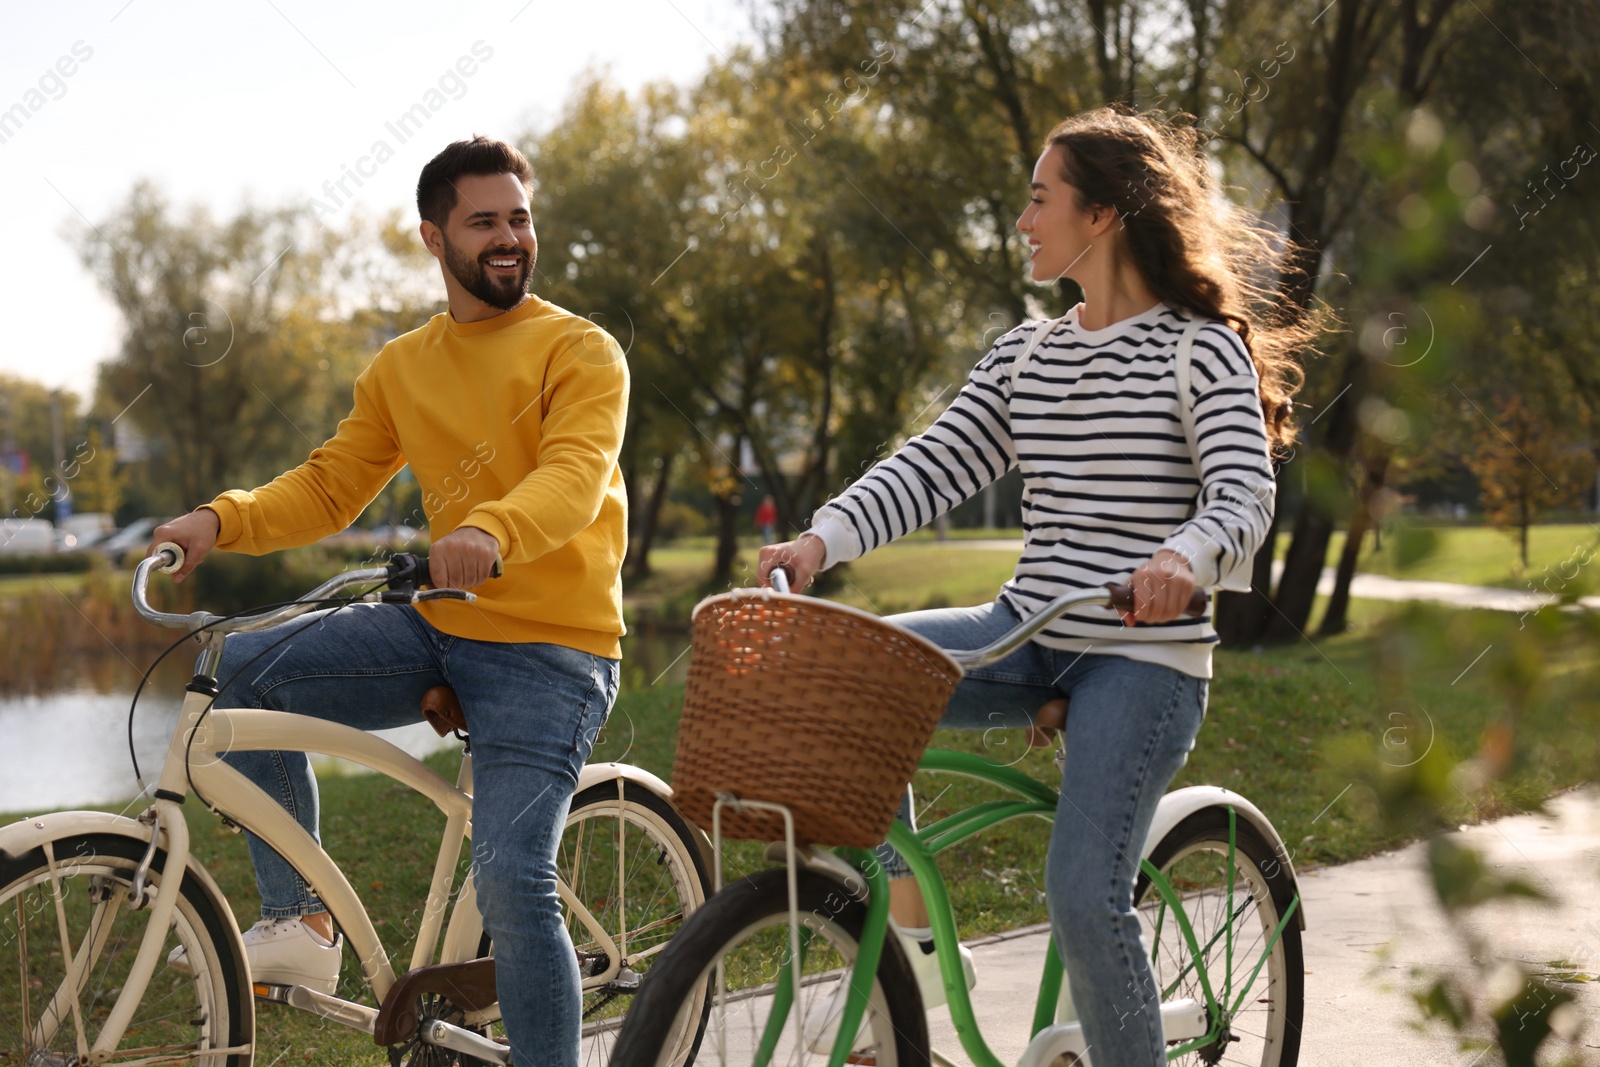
[(474, 276)]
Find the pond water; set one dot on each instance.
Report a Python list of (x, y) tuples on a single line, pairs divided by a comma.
[(69, 746)]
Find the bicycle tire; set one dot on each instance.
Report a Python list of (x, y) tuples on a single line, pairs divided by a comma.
[(682, 881), (754, 913), (1193, 856), (210, 1007)]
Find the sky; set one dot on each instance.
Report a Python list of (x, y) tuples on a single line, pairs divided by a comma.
[(264, 101)]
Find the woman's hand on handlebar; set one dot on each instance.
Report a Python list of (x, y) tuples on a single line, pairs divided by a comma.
[(463, 558), (804, 557), (195, 533), (1162, 587)]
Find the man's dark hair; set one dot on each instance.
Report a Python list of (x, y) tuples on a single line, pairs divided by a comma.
[(436, 188)]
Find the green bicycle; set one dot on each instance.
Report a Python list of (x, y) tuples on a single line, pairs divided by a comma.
[(1216, 894)]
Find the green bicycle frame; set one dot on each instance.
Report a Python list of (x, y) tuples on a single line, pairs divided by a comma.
[(919, 848)]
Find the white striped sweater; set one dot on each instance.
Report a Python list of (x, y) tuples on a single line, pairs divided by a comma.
[(1108, 479)]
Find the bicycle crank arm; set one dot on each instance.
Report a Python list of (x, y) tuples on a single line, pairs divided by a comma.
[(1181, 1020), (445, 1035)]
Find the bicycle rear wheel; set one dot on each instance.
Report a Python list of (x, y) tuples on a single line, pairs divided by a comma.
[(1264, 1027), (183, 1018), (636, 865), (744, 931)]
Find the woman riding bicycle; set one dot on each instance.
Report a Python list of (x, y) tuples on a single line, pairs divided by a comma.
[(1113, 491)]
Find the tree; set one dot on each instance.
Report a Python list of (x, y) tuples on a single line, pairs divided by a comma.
[(1526, 467), (711, 226), (99, 487), (30, 480), (239, 351)]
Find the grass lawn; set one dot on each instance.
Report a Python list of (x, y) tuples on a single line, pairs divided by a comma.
[(920, 571), (20, 584), (1472, 555), (902, 577), (1288, 727)]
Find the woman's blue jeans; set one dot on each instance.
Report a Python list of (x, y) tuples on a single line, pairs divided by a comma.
[(1130, 727), (533, 712)]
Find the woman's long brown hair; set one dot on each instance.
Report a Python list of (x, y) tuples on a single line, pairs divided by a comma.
[(1191, 248)]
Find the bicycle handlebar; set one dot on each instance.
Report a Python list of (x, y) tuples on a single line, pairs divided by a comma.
[(405, 572), (1111, 595)]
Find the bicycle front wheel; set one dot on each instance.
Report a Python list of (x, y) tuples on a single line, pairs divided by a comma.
[(741, 938), (68, 939), (1233, 921)]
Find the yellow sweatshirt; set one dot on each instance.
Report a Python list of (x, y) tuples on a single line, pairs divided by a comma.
[(512, 425)]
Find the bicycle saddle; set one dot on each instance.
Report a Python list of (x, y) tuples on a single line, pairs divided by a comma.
[(1048, 721), (442, 711)]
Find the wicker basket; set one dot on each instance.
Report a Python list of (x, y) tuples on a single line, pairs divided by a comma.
[(816, 706)]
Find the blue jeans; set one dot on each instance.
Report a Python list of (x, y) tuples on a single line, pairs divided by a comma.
[(1130, 727), (533, 711)]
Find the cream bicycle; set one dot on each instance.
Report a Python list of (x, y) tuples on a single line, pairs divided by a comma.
[(92, 904)]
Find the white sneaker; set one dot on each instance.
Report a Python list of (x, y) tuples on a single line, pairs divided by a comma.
[(284, 952), (823, 1024)]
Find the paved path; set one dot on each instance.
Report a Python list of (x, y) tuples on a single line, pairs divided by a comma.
[(1380, 587), (1369, 924)]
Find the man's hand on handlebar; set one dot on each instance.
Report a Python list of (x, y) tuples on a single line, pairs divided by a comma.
[(195, 533), (463, 558), (804, 557), (1162, 587)]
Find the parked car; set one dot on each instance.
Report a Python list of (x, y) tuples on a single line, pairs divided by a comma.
[(82, 529), (27, 537), (398, 536), (135, 535)]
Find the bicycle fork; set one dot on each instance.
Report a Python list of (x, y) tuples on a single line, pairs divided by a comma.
[(64, 1005)]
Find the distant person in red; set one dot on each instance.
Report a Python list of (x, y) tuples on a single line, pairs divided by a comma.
[(767, 519)]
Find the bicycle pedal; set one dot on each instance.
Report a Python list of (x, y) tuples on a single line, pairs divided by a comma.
[(271, 993)]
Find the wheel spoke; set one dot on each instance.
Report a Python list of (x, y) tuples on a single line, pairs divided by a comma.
[(71, 977), (1233, 915)]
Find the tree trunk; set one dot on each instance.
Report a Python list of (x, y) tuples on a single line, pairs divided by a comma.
[(1524, 516), (1335, 620), (727, 538), (1308, 551), (1349, 57), (1200, 20), (1241, 617), (650, 519), (995, 42)]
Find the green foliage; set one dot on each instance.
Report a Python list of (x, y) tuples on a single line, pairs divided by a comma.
[(238, 356), (1461, 879), (1537, 676), (53, 563)]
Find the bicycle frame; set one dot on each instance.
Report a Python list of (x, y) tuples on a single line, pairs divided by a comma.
[(194, 753), (1031, 798)]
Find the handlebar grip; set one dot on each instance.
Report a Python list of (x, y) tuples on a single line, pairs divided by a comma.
[(782, 578), (169, 548), (1121, 598), (425, 577)]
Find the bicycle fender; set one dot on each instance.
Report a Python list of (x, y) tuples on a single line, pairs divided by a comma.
[(28, 834), (1179, 804), (596, 773), (599, 773)]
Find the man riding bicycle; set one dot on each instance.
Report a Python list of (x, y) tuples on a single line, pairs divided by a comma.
[(510, 412)]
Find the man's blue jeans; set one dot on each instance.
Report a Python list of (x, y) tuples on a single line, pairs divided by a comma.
[(1130, 727), (533, 711)]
